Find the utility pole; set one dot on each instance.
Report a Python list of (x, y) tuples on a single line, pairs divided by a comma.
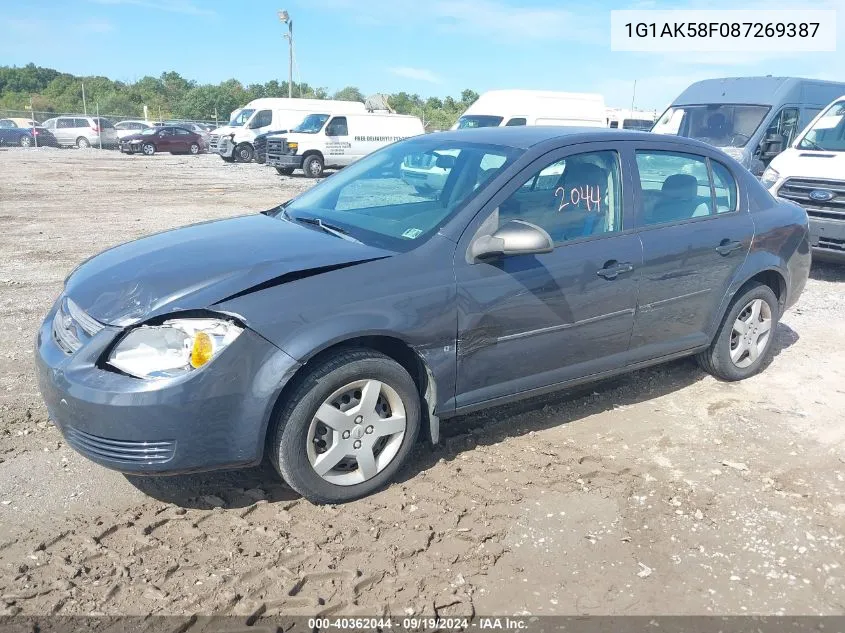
[(99, 125), (84, 106), (285, 18), (633, 96), (32, 114)]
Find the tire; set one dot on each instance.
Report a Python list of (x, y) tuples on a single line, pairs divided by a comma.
[(194, 149), (244, 153), (284, 171), (148, 149), (295, 447), (733, 355), (25, 141), (313, 166), (83, 143)]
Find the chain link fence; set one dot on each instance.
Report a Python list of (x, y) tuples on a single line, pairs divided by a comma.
[(42, 115)]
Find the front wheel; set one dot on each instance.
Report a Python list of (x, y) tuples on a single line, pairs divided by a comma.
[(244, 152), (347, 428), (743, 343), (149, 149), (26, 141), (313, 166), (284, 171), (194, 149)]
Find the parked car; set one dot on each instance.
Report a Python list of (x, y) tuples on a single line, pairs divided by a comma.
[(336, 140), (83, 131), (330, 332), (176, 140), (19, 122), (13, 134), (497, 108), (128, 128), (752, 119), (812, 173)]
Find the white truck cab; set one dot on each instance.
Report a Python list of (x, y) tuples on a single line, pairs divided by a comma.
[(499, 108), (235, 140), (336, 139), (811, 172)]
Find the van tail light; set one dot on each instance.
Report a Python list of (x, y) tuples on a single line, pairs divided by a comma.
[(96, 128)]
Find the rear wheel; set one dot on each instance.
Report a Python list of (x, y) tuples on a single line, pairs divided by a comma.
[(284, 171), (244, 152), (743, 343), (347, 428), (26, 141), (148, 148), (83, 143), (313, 166)]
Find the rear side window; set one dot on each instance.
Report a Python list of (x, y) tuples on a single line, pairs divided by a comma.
[(181, 131), (675, 186), (6, 123), (65, 123), (724, 187)]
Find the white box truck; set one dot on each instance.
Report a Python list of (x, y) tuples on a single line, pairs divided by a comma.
[(497, 108), (234, 141), (336, 139)]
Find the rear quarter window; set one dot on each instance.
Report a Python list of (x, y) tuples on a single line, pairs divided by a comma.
[(724, 186)]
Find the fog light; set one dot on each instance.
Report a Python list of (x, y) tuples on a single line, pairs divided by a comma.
[(202, 350)]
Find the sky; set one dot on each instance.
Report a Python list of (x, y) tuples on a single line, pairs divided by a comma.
[(429, 47)]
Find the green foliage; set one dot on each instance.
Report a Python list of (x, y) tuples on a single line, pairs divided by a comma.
[(172, 96)]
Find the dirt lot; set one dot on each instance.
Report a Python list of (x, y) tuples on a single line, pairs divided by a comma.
[(665, 492)]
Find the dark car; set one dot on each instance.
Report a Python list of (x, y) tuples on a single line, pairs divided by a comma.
[(11, 134), (330, 332), (176, 140), (259, 145)]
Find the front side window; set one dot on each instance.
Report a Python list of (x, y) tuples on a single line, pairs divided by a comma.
[(262, 119), (181, 131), (399, 196), (50, 124), (240, 117), (785, 124), (827, 133), (675, 186), (337, 127), (722, 125), (65, 123), (479, 120), (574, 197), (516, 121), (724, 186)]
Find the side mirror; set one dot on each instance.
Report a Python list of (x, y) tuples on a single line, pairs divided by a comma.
[(517, 237), (445, 161), (771, 146)]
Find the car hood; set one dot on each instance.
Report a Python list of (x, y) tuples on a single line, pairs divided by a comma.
[(799, 163), (136, 137), (197, 266)]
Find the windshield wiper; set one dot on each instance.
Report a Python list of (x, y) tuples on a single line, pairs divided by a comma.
[(814, 145), (328, 228)]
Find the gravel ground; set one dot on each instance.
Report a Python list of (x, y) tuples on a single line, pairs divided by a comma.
[(664, 492)]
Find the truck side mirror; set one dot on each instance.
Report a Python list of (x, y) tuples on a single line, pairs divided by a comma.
[(771, 146)]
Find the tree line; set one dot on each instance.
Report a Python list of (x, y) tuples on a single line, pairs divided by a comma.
[(171, 96)]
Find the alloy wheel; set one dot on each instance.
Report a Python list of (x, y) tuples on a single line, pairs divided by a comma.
[(356, 432), (751, 332)]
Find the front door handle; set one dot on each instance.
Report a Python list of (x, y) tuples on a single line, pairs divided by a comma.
[(613, 269), (726, 247)]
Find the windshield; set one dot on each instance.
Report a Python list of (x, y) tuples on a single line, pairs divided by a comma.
[(382, 200), (828, 131), (722, 125), (479, 120), (240, 117), (311, 124)]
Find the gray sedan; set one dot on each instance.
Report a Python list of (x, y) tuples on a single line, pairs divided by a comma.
[(333, 331)]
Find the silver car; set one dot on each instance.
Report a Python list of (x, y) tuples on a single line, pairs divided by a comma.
[(82, 131)]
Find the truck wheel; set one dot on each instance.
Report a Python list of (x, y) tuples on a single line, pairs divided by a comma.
[(284, 171), (347, 427), (313, 166), (243, 152)]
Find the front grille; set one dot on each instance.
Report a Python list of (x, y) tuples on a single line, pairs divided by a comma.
[(213, 139), (125, 451), (276, 148), (799, 189), (223, 145), (832, 244), (73, 327)]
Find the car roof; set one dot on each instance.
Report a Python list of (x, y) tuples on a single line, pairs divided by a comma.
[(526, 136)]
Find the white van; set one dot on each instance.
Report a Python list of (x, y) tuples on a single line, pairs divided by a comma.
[(497, 108), (811, 172), (336, 139), (636, 120), (234, 141)]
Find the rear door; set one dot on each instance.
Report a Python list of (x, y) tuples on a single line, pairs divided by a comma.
[(182, 140), (696, 232), (530, 321), (64, 131)]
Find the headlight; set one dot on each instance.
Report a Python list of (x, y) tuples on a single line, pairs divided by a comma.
[(769, 177), (293, 147), (173, 348)]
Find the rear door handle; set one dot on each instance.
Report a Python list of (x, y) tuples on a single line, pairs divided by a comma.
[(613, 269), (726, 247)]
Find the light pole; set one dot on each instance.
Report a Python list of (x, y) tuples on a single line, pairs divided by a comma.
[(284, 16)]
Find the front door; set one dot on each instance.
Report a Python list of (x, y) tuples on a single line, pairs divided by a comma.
[(531, 321), (694, 238), (339, 150)]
